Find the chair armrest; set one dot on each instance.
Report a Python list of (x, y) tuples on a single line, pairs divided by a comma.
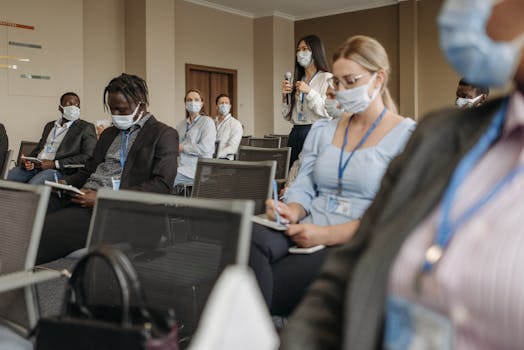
[(22, 279)]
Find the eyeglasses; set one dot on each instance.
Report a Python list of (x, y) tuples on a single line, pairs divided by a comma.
[(347, 81)]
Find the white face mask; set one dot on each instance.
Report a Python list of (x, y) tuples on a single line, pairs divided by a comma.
[(70, 113), (467, 102), (193, 106), (224, 108), (124, 122), (333, 109), (304, 58), (357, 100)]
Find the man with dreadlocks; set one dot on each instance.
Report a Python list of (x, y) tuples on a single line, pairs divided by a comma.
[(137, 153)]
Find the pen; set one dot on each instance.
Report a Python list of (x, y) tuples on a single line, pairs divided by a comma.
[(56, 180), (275, 197)]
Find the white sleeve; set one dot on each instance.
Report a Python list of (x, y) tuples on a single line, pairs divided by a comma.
[(235, 136), (315, 99)]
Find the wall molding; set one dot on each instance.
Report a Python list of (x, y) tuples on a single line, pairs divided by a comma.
[(368, 4)]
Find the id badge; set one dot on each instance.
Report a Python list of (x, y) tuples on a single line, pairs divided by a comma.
[(116, 182), (338, 205), (49, 149), (411, 326)]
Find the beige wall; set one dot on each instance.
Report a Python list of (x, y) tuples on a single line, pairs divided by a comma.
[(209, 37), (380, 23), (104, 52), (409, 33), (263, 61), (28, 104)]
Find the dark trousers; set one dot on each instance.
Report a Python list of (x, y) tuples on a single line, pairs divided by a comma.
[(282, 277), (297, 136), (65, 230)]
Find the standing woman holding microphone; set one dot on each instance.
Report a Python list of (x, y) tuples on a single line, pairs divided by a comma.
[(303, 97)]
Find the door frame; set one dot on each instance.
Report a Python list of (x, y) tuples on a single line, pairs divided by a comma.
[(233, 72)]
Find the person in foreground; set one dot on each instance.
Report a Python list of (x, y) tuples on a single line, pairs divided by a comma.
[(436, 261), (343, 161), (137, 153)]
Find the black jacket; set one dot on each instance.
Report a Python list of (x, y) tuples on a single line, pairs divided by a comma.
[(4, 144), (344, 308), (76, 147), (151, 164)]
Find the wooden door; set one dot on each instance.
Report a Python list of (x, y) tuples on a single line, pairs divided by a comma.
[(211, 82)]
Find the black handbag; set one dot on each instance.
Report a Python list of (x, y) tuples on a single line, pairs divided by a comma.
[(100, 327)]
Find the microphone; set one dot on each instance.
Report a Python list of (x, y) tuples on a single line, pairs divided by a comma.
[(287, 77)]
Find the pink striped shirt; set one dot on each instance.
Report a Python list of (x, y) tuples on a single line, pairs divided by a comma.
[(479, 282)]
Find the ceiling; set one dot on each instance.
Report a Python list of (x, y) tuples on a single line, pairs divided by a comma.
[(292, 9)]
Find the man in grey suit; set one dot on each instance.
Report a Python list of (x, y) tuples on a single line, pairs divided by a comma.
[(65, 145)]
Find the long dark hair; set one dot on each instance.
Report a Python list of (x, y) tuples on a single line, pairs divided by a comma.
[(319, 60)]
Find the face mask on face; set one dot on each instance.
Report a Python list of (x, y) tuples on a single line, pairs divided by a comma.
[(333, 109), (70, 113), (467, 102), (124, 122), (304, 58), (357, 100), (224, 108), (468, 48), (193, 106)]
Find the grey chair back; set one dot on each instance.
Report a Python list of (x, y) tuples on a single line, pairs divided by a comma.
[(178, 246), (4, 167), (256, 154), (224, 179), (284, 138), (22, 214), (245, 140), (271, 142)]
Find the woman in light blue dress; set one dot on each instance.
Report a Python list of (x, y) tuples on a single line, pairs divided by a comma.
[(343, 162)]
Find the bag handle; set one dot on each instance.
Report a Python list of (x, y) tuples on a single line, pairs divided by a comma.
[(76, 289)]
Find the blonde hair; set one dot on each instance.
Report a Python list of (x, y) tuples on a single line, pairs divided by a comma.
[(371, 55)]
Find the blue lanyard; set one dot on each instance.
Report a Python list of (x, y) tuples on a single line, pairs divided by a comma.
[(446, 227), (342, 167), (55, 135), (190, 125), (123, 152)]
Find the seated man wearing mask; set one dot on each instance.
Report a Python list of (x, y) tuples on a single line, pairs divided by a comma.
[(4, 144), (470, 95), (436, 262), (65, 144), (137, 153)]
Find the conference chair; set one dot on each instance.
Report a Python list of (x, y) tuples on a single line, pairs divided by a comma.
[(283, 138), (178, 260), (26, 147), (256, 154), (22, 213), (264, 142), (245, 140), (225, 179), (4, 167)]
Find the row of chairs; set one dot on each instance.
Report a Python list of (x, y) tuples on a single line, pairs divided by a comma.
[(178, 246), (268, 141)]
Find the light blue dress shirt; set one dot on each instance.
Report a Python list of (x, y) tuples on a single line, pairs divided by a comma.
[(198, 139), (318, 174)]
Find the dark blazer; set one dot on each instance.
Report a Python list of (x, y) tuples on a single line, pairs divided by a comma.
[(151, 164), (76, 147), (344, 308), (4, 144)]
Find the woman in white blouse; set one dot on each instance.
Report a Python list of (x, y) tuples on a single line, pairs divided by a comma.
[(229, 129), (197, 137), (303, 98)]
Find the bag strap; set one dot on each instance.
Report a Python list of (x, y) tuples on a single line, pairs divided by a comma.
[(75, 292)]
